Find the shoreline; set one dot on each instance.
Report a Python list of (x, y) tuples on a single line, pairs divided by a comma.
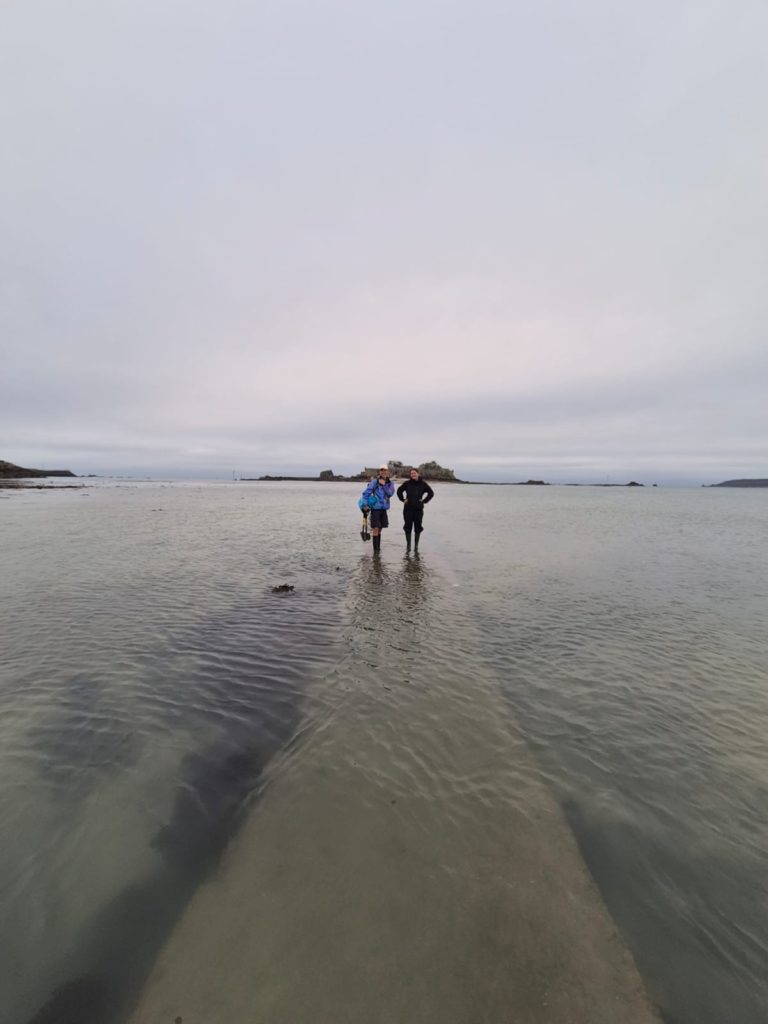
[(23, 485)]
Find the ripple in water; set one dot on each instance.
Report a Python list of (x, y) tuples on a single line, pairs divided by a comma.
[(134, 772), (152, 687)]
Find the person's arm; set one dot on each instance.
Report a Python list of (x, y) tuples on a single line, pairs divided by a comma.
[(428, 491), (401, 491), (369, 489), (389, 488)]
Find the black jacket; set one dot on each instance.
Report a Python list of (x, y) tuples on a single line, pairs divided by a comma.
[(414, 491)]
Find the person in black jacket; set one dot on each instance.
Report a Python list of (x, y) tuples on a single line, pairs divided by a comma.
[(414, 493)]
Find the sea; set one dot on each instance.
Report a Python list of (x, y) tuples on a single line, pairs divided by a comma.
[(520, 775)]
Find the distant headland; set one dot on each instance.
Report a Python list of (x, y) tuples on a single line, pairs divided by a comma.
[(739, 483), (10, 472)]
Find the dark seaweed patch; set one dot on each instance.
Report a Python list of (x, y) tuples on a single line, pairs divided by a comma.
[(214, 787)]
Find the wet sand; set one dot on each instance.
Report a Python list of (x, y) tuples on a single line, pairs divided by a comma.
[(363, 888)]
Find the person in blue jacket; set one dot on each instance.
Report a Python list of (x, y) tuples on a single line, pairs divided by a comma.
[(377, 494)]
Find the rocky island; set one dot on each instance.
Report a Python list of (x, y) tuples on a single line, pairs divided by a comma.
[(429, 470)]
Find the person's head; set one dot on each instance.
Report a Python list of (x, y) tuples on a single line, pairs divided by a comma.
[(415, 474), (383, 469)]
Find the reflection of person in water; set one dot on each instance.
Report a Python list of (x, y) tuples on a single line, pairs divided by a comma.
[(414, 493), (413, 595)]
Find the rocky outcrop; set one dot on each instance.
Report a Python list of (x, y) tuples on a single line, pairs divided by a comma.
[(10, 472), (429, 470), (434, 471)]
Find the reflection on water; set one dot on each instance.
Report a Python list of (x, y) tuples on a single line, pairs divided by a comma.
[(414, 575), (394, 596)]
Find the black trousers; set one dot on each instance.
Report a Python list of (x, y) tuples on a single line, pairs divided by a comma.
[(412, 517)]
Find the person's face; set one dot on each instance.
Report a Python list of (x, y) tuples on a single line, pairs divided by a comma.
[(414, 474), (384, 472)]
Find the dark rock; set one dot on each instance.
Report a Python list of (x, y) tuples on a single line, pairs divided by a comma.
[(742, 483), (11, 472), (283, 588), (434, 471)]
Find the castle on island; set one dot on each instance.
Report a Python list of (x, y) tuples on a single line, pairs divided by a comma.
[(429, 470)]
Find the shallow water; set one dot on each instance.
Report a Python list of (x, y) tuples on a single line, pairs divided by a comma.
[(628, 629), (152, 686)]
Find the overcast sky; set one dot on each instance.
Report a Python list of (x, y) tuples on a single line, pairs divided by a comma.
[(523, 239)]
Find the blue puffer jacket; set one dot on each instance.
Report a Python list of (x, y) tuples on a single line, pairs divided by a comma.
[(377, 495)]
